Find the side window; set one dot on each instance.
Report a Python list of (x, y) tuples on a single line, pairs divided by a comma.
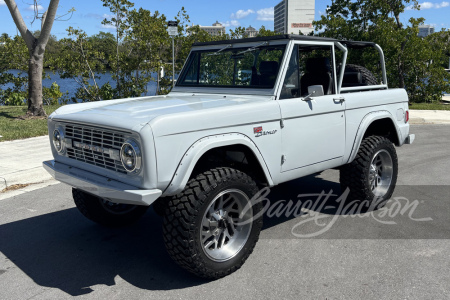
[(309, 65)]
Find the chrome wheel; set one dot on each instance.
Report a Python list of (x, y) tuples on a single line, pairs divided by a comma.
[(221, 238), (380, 173)]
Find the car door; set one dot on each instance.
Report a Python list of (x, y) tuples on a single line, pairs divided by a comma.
[(313, 127)]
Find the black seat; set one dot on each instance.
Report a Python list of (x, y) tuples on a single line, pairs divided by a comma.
[(318, 72), (269, 72)]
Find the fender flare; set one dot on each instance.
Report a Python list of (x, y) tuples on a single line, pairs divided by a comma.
[(200, 147), (364, 125)]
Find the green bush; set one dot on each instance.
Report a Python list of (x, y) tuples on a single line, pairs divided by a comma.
[(53, 95), (15, 99)]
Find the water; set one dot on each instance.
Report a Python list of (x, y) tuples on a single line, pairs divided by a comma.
[(71, 86)]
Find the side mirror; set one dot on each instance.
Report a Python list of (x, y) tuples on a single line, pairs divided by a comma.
[(314, 90)]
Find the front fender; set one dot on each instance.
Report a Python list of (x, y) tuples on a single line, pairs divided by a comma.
[(364, 125), (200, 147)]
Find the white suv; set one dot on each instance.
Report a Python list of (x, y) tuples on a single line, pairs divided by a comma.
[(244, 114)]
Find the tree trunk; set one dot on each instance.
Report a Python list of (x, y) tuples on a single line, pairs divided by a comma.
[(35, 102), (36, 48)]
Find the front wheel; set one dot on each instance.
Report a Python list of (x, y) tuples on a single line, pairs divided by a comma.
[(372, 175), (209, 228), (105, 212)]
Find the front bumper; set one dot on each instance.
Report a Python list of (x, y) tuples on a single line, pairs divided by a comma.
[(100, 186)]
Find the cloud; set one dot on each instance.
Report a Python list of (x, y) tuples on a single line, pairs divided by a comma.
[(2, 2), (108, 26), (31, 7), (232, 23), (265, 14), (240, 14), (430, 5)]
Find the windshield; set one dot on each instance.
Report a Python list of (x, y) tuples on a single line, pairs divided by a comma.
[(233, 67)]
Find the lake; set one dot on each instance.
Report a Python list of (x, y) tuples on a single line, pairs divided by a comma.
[(71, 86)]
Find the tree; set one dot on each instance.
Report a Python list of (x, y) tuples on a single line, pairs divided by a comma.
[(120, 10), (36, 50), (79, 59), (410, 59), (4, 37)]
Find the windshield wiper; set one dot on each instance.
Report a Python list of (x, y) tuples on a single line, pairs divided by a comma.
[(218, 52), (253, 48)]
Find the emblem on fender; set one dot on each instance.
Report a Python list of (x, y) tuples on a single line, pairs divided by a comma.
[(258, 131)]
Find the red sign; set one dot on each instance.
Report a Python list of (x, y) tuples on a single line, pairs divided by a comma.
[(301, 25), (257, 129)]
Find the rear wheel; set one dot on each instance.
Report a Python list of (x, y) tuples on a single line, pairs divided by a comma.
[(105, 212), (209, 228), (372, 175)]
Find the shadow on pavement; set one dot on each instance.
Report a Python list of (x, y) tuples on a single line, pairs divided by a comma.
[(64, 250)]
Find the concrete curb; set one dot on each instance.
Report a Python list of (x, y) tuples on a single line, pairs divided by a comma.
[(21, 161)]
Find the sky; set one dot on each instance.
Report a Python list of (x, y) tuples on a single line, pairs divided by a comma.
[(231, 13)]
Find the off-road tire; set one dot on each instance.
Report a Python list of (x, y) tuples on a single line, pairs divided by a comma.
[(367, 77), (93, 208), (183, 217), (159, 206), (355, 175)]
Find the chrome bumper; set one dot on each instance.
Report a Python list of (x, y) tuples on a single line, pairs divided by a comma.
[(100, 186), (410, 139)]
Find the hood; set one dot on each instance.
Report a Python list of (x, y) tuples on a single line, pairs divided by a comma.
[(133, 114)]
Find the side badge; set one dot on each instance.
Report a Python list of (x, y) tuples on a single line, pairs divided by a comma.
[(258, 131)]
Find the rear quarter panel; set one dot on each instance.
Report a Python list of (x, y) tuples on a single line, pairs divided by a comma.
[(392, 103)]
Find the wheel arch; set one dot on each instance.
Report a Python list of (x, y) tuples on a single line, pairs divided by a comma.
[(376, 123), (198, 151)]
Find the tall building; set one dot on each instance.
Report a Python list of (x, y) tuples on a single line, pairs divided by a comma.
[(292, 16), (215, 29), (250, 32), (425, 30)]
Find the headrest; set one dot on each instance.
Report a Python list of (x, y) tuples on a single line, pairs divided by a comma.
[(318, 65), (268, 67)]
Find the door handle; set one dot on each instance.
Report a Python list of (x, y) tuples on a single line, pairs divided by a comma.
[(339, 100)]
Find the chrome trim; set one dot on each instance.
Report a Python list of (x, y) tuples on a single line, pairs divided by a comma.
[(137, 156), (95, 146), (62, 148)]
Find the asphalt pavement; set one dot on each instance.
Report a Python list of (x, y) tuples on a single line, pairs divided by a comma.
[(48, 250)]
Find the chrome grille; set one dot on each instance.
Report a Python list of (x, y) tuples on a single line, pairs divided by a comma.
[(95, 146)]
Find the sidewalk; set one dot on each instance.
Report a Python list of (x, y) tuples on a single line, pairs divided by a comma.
[(429, 116), (21, 163)]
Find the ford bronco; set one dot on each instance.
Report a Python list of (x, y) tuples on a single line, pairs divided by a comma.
[(244, 114)]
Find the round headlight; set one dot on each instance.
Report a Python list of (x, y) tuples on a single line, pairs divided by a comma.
[(58, 140), (130, 155)]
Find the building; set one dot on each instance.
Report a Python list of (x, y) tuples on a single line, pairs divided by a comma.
[(215, 29), (250, 32), (425, 30), (292, 16)]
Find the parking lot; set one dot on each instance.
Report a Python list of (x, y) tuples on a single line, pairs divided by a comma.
[(48, 250)]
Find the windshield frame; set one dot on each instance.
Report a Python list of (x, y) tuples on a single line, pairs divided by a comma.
[(231, 88)]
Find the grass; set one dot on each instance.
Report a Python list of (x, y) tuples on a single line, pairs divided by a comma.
[(14, 129), (429, 106)]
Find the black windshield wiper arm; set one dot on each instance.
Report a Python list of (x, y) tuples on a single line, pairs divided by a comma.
[(218, 52), (253, 48)]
